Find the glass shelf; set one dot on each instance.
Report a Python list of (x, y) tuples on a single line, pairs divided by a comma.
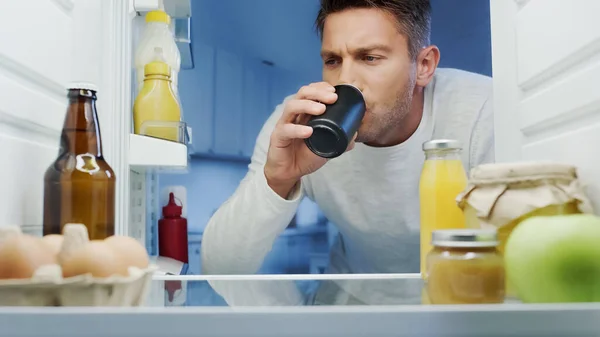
[(257, 308), (287, 290)]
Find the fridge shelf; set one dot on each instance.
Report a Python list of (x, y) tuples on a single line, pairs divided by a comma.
[(147, 152), (351, 321), (175, 8)]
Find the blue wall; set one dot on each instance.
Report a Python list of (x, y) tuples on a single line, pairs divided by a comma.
[(209, 183), (461, 29), (281, 31)]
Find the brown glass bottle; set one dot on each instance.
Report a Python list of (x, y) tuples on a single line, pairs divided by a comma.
[(79, 186)]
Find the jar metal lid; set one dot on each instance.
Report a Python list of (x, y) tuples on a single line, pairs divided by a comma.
[(442, 144), (464, 238)]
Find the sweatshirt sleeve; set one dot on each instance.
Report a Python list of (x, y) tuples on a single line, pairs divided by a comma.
[(242, 231)]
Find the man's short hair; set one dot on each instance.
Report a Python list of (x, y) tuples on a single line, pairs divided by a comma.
[(413, 16)]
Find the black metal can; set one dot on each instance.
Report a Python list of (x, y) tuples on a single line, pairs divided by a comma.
[(334, 129)]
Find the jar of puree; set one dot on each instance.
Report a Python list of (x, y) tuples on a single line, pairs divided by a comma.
[(464, 267), (500, 196)]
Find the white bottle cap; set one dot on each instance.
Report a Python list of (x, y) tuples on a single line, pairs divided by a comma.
[(82, 85)]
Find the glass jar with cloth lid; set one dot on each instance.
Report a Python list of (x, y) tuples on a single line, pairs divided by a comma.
[(500, 196)]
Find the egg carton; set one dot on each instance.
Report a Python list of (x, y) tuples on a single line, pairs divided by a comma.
[(47, 287)]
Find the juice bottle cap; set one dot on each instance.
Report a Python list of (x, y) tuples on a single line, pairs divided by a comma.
[(442, 144)]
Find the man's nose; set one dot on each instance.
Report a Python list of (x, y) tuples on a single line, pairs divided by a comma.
[(348, 75)]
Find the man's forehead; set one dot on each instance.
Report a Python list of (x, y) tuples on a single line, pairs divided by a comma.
[(353, 48), (359, 29)]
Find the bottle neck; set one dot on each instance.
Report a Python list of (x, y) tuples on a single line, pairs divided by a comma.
[(158, 82), (443, 154), (81, 129), (157, 78)]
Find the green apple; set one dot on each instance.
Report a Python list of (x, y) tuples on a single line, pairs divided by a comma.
[(551, 259)]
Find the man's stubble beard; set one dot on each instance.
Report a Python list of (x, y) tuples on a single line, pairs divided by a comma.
[(384, 125)]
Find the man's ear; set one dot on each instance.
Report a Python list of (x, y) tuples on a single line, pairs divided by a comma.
[(427, 62)]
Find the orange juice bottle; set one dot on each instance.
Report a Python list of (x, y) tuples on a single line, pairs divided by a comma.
[(442, 179)]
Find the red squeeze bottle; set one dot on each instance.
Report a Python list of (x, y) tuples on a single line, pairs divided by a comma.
[(172, 232)]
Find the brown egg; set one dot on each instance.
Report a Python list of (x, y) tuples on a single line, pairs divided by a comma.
[(54, 241), (132, 253), (74, 237), (96, 258), (21, 255)]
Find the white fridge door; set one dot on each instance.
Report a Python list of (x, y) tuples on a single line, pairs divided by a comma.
[(546, 69), (44, 45)]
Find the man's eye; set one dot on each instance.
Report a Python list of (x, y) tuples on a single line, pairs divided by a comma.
[(370, 58), (330, 62)]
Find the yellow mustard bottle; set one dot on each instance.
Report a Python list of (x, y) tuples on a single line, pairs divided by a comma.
[(157, 103)]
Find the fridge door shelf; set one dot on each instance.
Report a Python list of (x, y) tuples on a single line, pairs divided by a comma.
[(174, 131), (175, 8), (146, 152)]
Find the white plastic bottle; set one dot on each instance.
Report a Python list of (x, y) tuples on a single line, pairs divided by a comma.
[(157, 34)]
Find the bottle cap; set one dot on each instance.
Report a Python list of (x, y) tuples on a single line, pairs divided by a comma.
[(442, 144), (172, 210), (157, 68), (464, 238), (158, 55), (158, 16), (82, 86)]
